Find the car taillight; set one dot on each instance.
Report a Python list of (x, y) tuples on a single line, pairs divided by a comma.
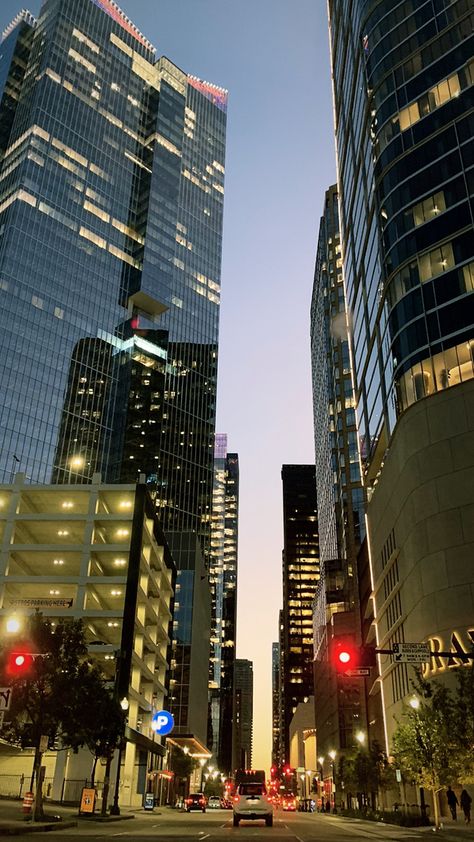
[(236, 798)]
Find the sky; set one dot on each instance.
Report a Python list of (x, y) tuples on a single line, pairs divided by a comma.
[(273, 58)]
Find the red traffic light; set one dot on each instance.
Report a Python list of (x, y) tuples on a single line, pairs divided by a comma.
[(344, 656), (348, 656), (19, 664)]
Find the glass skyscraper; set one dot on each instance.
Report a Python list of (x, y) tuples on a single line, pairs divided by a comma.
[(111, 201), (223, 582), (339, 490), (300, 569), (403, 75)]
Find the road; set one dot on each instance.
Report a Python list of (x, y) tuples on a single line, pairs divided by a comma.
[(166, 825)]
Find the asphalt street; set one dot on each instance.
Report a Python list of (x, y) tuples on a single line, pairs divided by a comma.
[(172, 826)]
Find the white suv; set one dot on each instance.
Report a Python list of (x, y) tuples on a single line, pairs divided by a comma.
[(252, 802)]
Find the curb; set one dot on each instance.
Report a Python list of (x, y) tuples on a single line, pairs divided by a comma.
[(40, 827)]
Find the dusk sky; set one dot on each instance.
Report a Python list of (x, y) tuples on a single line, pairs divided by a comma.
[(273, 57)]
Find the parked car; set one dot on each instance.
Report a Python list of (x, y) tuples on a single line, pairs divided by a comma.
[(252, 802), (195, 801), (214, 802)]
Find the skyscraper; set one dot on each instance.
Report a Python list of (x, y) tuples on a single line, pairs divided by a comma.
[(243, 718), (338, 700), (223, 582), (111, 196), (403, 76), (300, 562)]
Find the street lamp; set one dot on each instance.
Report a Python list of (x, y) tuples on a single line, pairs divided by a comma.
[(414, 702), (115, 809), (332, 755), (360, 737), (13, 625)]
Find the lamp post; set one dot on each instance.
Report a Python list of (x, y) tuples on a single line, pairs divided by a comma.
[(115, 809), (332, 755), (321, 778)]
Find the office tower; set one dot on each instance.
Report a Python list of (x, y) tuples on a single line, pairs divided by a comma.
[(243, 717), (223, 583), (276, 760), (300, 563), (111, 225), (338, 700), (189, 660), (403, 78)]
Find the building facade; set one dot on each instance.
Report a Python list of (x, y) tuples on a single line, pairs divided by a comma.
[(111, 197), (223, 582), (276, 717), (339, 700), (97, 553), (300, 568), (403, 93), (243, 717)]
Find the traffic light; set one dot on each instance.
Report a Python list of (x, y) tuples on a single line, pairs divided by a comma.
[(19, 664), (347, 656)]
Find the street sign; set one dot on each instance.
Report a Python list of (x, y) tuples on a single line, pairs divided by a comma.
[(358, 671), (5, 698), (411, 653), (162, 722)]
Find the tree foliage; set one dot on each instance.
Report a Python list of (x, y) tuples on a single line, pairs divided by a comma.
[(364, 772), (433, 744), (64, 697)]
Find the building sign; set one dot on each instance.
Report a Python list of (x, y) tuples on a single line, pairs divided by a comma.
[(32, 602), (460, 644), (5, 698), (162, 722)]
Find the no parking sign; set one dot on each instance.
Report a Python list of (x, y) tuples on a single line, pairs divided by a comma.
[(162, 722)]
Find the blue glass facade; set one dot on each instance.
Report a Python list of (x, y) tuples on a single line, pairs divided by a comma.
[(403, 88), (111, 196)]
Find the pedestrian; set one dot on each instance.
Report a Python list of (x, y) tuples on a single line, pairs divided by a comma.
[(452, 802), (328, 807), (466, 805)]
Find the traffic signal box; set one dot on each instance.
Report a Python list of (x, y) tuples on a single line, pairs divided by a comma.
[(347, 657), (19, 664)]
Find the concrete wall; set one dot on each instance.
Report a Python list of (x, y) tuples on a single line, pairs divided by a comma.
[(421, 527)]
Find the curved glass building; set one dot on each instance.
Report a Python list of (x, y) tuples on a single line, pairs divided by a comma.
[(403, 87)]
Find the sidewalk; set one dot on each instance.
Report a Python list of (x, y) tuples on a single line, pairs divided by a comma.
[(14, 822), (451, 831)]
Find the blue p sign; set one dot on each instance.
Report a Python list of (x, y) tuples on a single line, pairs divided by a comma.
[(162, 722)]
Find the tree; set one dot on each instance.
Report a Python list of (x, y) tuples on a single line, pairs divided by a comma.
[(51, 700), (427, 744), (365, 772)]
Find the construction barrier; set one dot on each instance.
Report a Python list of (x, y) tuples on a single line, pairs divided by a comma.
[(28, 802)]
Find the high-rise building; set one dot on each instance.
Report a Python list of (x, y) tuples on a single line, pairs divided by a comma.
[(111, 199), (223, 582), (300, 563), (338, 699), (276, 706), (243, 716), (403, 81)]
